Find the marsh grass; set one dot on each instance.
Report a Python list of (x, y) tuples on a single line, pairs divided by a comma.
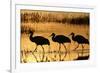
[(58, 17)]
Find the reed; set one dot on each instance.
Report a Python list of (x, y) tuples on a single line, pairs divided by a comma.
[(58, 17)]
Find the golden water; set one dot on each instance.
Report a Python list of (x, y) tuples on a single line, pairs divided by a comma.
[(45, 30)]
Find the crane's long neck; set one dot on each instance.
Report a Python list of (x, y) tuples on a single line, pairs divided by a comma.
[(73, 36), (31, 34), (53, 37)]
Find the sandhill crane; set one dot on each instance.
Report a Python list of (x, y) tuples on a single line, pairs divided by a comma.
[(39, 40), (80, 40), (61, 39)]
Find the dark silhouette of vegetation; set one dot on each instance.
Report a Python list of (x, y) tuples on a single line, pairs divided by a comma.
[(36, 17), (80, 20), (25, 29)]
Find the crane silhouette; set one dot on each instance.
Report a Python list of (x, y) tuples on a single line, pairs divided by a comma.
[(39, 40), (61, 39), (80, 40)]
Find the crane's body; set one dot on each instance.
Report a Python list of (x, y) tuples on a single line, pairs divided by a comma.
[(80, 39), (39, 40), (61, 39)]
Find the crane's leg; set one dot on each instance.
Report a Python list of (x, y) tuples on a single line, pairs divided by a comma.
[(82, 49), (35, 49), (48, 53), (76, 47), (34, 54), (69, 51), (65, 51), (47, 60), (43, 53), (59, 52)]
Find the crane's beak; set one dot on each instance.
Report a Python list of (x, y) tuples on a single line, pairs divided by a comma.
[(69, 35), (50, 35)]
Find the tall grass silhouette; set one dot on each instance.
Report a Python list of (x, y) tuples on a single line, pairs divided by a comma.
[(59, 17)]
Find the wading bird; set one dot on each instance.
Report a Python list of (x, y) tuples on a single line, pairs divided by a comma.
[(80, 40), (61, 39), (39, 40)]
